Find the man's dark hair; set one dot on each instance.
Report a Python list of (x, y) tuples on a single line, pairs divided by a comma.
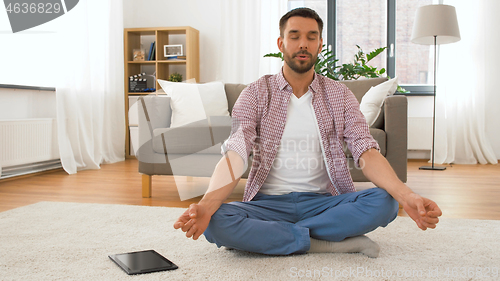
[(301, 12)]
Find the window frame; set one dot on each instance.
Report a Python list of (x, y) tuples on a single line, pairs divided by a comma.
[(415, 90)]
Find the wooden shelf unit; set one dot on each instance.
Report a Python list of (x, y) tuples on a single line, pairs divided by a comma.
[(133, 39)]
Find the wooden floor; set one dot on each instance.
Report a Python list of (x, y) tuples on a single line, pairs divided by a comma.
[(462, 191)]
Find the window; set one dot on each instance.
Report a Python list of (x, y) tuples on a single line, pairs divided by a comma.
[(380, 23), (363, 23), (30, 57), (414, 63)]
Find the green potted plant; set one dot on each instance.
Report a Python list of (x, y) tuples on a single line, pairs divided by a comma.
[(175, 77)]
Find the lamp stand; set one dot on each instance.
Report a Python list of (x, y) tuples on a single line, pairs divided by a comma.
[(434, 115)]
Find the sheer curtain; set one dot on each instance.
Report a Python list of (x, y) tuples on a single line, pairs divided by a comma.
[(461, 95), (89, 92), (250, 30)]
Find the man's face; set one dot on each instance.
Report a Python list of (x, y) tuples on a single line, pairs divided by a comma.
[(301, 43)]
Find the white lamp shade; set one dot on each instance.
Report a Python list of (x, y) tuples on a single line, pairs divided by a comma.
[(435, 20)]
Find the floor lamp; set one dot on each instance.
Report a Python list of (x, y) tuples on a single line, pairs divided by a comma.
[(435, 25)]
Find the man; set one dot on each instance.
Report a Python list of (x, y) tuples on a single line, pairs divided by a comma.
[(299, 196)]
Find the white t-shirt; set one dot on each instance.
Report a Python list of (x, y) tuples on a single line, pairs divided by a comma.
[(299, 165)]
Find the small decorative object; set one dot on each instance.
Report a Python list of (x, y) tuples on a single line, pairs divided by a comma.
[(172, 50), (139, 54), (138, 83), (175, 77)]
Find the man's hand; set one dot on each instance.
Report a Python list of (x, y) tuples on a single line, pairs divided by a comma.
[(193, 221), (423, 211)]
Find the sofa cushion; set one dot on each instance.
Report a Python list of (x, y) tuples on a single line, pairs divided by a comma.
[(379, 135), (361, 86), (196, 137), (372, 101), (194, 102)]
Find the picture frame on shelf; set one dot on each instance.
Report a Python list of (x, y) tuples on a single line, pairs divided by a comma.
[(172, 50)]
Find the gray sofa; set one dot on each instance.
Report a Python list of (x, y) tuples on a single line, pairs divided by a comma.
[(194, 150)]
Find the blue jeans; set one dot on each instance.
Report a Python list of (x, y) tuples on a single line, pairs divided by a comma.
[(283, 224)]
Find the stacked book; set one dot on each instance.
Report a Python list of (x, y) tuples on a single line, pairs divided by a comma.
[(152, 51)]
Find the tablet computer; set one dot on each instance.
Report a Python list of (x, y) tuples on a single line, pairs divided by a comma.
[(142, 262)]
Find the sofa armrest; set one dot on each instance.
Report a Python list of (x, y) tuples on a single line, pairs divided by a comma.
[(396, 128), (197, 137)]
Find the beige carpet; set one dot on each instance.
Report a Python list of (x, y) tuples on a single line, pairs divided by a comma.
[(71, 241)]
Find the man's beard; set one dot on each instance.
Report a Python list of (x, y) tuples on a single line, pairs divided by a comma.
[(299, 66)]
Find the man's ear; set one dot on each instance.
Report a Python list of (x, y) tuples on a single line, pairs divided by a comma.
[(320, 45), (280, 44)]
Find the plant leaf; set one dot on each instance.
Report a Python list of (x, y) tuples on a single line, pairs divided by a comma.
[(274, 55), (374, 53)]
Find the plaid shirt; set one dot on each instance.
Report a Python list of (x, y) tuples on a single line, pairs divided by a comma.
[(259, 117)]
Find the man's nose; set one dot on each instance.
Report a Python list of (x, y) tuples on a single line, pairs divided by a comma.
[(303, 44)]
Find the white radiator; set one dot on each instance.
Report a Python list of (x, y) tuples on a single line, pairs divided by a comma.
[(419, 133), (28, 141)]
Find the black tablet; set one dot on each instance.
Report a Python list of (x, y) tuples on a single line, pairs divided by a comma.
[(142, 262)]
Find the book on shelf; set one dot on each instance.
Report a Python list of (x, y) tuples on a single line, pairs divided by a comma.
[(151, 50), (153, 56)]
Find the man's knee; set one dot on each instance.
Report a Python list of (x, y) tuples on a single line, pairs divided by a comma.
[(385, 205), (220, 216), (221, 220)]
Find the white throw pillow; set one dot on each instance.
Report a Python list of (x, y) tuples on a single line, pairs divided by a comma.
[(372, 101), (195, 102)]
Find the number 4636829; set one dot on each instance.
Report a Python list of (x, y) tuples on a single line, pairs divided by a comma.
[(34, 8)]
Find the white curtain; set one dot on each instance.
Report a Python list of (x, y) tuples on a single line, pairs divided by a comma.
[(250, 29), (89, 92), (461, 95)]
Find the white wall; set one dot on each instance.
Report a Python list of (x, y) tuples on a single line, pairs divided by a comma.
[(420, 137), (200, 14)]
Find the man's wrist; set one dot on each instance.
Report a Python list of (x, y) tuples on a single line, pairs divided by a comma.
[(210, 206), (402, 194)]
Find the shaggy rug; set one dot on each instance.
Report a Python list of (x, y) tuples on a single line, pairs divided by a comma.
[(72, 241)]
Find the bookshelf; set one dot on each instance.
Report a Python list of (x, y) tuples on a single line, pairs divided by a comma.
[(141, 38)]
